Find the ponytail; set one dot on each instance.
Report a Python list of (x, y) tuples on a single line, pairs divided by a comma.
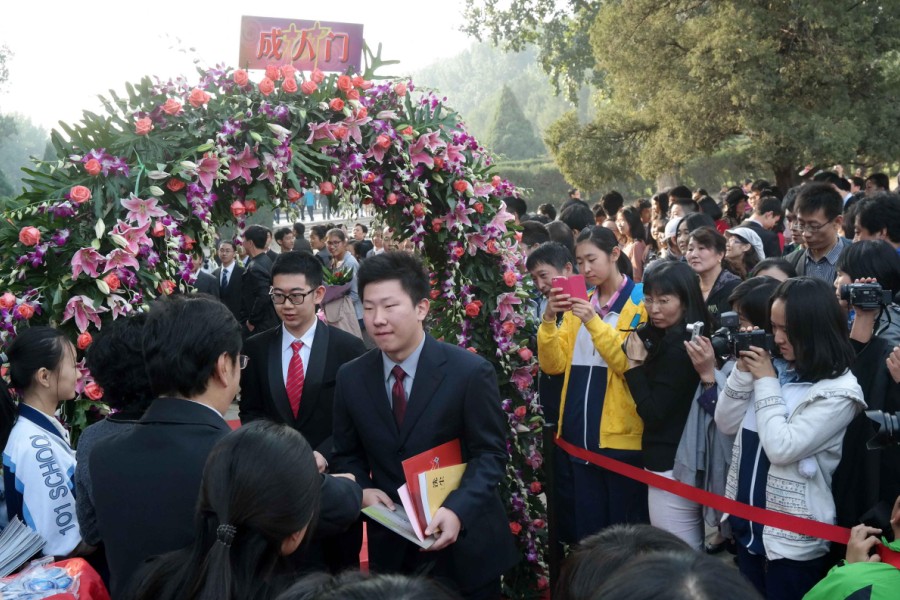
[(605, 241)]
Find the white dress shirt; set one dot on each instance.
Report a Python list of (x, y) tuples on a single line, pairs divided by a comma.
[(287, 353)]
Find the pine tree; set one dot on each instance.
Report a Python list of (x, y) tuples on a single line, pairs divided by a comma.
[(511, 135)]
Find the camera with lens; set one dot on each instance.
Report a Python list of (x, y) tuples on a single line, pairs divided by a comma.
[(887, 429), (650, 336), (729, 340), (867, 296)]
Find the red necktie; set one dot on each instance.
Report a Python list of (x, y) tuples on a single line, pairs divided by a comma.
[(398, 394), (294, 385)]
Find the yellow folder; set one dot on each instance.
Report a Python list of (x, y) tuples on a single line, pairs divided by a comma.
[(436, 485)]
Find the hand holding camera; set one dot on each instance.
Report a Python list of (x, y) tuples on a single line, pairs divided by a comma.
[(755, 359)]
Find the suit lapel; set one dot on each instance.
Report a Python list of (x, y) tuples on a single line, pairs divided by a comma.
[(373, 376), (429, 375), (276, 378), (315, 371)]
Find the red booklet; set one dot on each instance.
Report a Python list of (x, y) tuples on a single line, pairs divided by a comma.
[(445, 455)]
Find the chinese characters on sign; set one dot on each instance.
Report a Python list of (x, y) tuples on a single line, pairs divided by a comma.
[(306, 45)]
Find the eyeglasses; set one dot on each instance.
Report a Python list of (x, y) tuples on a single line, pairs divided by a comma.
[(295, 298), (660, 302), (334, 243), (799, 225), (243, 359)]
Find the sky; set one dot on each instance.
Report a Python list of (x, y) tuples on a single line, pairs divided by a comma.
[(67, 53)]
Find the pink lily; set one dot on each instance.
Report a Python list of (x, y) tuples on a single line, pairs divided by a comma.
[(118, 259), (476, 242), (353, 125), (522, 378), (483, 190), (319, 131), (82, 308), (135, 237), (453, 154), (207, 171), (84, 376), (501, 218), (87, 260), (459, 216), (417, 154), (241, 164), (142, 210), (505, 304)]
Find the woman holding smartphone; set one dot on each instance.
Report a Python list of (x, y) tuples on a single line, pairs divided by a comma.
[(597, 412)]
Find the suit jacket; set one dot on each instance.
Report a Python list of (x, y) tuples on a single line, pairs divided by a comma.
[(256, 306), (769, 238), (263, 394), (324, 257), (230, 295), (302, 245), (207, 284), (454, 395)]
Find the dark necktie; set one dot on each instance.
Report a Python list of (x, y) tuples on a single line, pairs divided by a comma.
[(224, 278), (398, 394)]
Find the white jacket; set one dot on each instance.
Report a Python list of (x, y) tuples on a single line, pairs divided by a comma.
[(803, 447)]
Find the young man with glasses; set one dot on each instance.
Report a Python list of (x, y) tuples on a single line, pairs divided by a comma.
[(818, 223), (291, 375)]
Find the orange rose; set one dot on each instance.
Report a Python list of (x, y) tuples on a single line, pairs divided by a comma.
[(29, 236), (368, 178), (112, 280), (508, 327), (344, 83), (458, 252), (362, 112), (93, 391), (408, 130), (308, 87), (237, 208), (175, 185), (392, 199), (84, 340), (435, 294), (7, 301), (172, 107), (143, 126), (79, 194), (24, 311), (495, 181), (317, 76), (492, 247), (515, 528), (198, 98), (93, 167), (438, 163), (400, 89), (159, 230), (357, 81), (472, 310), (525, 354), (166, 287), (436, 224), (383, 142), (479, 207), (336, 104), (250, 206), (520, 412), (273, 73), (289, 85), (460, 185), (419, 210), (288, 71), (340, 132), (189, 242), (509, 278), (266, 86), (293, 195), (326, 188), (536, 489), (241, 78), (472, 350), (353, 95)]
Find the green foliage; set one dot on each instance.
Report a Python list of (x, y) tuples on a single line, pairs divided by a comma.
[(19, 146), (6, 188), (797, 81), (539, 179), (511, 135)]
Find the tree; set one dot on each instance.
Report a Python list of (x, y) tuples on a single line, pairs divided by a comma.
[(789, 81), (511, 135), (17, 148)]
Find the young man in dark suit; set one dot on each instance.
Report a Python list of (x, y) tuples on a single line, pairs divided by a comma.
[(765, 216), (257, 313), (291, 375), (229, 276), (146, 481), (409, 395), (203, 281)]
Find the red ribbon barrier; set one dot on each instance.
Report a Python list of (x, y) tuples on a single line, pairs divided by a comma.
[(816, 529)]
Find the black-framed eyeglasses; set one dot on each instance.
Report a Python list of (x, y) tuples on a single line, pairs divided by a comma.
[(243, 359), (295, 298), (809, 227)]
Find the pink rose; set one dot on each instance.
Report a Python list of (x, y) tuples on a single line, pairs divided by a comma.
[(273, 72), (250, 206), (419, 210), (266, 86), (24, 311), (30, 236), (112, 280), (508, 327), (495, 181), (288, 71), (383, 142), (79, 194), (308, 87), (159, 230), (175, 185), (7, 300), (400, 89), (362, 112), (536, 489), (336, 104), (241, 78), (198, 98), (436, 225), (84, 340), (172, 107), (93, 167), (289, 85), (317, 76), (326, 188), (237, 208), (293, 195), (93, 391), (460, 185), (525, 354), (479, 207), (143, 126), (392, 199), (166, 287), (344, 83), (353, 95)]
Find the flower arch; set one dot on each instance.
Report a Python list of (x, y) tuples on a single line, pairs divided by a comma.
[(110, 223)]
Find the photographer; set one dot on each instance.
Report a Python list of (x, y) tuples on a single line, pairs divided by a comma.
[(789, 415), (865, 477), (663, 381)]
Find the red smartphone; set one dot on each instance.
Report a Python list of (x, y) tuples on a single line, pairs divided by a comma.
[(573, 285)]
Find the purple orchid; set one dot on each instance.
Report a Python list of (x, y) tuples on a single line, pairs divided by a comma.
[(240, 165), (88, 261), (141, 210), (83, 310)]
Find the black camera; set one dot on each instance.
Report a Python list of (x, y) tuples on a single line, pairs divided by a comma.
[(867, 296), (651, 336), (729, 340), (887, 429)]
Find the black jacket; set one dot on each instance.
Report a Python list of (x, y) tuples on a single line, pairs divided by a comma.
[(230, 295), (206, 284), (256, 306)]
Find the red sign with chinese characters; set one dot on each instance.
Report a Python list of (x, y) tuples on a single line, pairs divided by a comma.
[(306, 45)]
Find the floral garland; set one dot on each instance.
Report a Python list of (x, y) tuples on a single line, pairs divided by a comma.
[(110, 225)]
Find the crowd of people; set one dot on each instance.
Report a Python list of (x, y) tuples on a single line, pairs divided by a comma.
[(731, 344)]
